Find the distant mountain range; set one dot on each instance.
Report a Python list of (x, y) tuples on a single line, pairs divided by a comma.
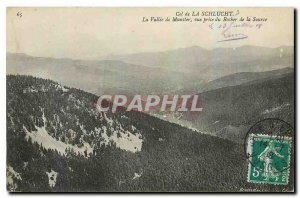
[(215, 63), (98, 77), (159, 72)]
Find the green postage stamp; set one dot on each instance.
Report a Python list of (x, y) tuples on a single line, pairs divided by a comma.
[(269, 159)]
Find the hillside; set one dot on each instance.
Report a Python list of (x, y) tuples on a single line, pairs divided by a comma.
[(239, 78), (244, 77), (230, 111), (125, 151)]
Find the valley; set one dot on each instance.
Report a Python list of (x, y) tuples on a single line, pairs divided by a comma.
[(58, 142)]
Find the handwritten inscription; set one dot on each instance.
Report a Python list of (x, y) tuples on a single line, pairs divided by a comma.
[(234, 31), (231, 25)]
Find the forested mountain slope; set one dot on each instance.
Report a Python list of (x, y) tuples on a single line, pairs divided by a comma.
[(56, 141), (229, 112)]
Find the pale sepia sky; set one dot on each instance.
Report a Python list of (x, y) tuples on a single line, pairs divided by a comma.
[(91, 33)]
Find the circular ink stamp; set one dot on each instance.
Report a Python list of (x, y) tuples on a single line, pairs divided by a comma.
[(268, 148)]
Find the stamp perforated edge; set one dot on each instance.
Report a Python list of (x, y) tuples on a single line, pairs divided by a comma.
[(250, 158)]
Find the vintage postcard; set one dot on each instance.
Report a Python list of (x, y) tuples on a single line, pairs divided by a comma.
[(163, 99)]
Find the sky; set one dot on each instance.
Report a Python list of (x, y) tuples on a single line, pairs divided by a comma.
[(95, 33)]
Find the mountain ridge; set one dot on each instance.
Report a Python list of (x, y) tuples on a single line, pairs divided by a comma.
[(167, 151)]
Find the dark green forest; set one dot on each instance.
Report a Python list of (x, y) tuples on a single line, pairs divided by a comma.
[(229, 112), (172, 157)]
